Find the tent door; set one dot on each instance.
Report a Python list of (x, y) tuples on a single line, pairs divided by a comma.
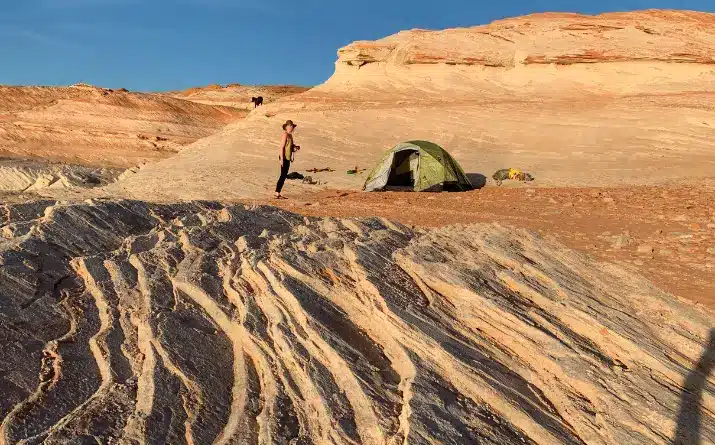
[(405, 169)]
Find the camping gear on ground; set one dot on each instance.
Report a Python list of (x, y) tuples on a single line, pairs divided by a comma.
[(420, 166), (294, 175), (511, 173), (356, 171), (320, 170)]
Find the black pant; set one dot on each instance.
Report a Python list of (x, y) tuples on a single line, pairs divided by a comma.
[(284, 172)]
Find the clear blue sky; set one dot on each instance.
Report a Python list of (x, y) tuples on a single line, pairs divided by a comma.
[(172, 44)]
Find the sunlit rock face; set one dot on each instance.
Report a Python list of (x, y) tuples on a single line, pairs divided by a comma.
[(129, 322)]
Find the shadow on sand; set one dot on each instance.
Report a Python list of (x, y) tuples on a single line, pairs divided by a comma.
[(478, 180), (690, 416)]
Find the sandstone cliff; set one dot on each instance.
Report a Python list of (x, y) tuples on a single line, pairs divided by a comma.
[(197, 323), (617, 52), (563, 39)]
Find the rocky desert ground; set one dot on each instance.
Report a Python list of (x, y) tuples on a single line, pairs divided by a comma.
[(151, 291)]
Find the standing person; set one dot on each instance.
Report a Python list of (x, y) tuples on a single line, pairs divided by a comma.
[(285, 156)]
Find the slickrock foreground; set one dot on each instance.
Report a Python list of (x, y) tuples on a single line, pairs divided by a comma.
[(127, 322)]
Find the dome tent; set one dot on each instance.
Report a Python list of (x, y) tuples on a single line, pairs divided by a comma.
[(420, 166)]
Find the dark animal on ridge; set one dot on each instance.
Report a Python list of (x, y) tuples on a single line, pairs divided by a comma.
[(257, 101)]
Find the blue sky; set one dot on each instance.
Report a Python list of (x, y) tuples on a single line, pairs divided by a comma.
[(173, 44)]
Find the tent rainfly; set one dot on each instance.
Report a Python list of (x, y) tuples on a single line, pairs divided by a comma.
[(420, 166)]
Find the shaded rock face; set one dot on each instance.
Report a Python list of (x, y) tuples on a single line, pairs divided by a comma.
[(196, 323)]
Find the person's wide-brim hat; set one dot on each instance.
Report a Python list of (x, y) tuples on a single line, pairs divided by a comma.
[(289, 122)]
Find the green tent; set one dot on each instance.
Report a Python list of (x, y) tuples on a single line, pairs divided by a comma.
[(420, 166)]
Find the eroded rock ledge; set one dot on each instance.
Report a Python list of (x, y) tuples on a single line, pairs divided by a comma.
[(561, 39), (198, 323)]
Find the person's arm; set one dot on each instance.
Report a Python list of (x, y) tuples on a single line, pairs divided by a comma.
[(283, 146)]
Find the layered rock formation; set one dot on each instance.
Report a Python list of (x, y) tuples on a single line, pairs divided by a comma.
[(554, 51), (101, 127), (126, 322), (563, 39)]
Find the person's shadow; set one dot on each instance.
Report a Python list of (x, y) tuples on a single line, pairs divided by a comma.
[(689, 429), (478, 180)]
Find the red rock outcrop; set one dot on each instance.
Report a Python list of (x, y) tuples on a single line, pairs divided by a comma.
[(101, 127)]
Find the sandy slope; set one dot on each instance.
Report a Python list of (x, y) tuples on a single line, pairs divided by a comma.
[(637, 111), (198, 323), (100, 127), (237, 96), (637, 140)]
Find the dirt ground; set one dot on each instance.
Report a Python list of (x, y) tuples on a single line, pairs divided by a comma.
[(665, 233)]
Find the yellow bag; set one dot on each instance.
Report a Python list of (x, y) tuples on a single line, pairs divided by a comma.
[(513, 173)]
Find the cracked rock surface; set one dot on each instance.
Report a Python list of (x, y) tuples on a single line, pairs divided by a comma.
[(128, 322)]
